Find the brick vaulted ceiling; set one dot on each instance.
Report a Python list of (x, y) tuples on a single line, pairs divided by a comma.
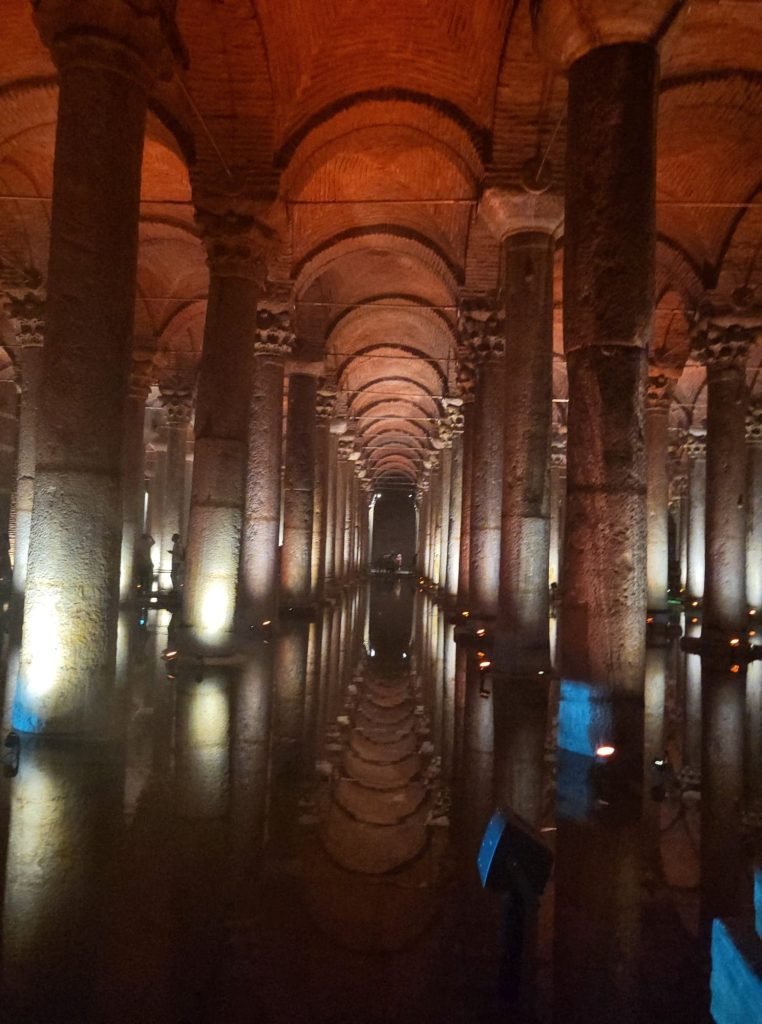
[(365, 132)]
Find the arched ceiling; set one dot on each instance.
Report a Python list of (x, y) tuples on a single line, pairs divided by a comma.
[(369, 130)]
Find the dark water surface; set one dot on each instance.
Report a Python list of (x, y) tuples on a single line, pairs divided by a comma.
[(290, 836)]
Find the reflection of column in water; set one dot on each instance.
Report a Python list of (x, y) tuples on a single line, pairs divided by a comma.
[(435, 708), (723, 699), (448, 710), (311, 694), (753, 767), (692, 708), (477, 767), (461, 663), (250, 749), (653, 736), (202, 747), (289, 697), (64, 811), (520, 724)]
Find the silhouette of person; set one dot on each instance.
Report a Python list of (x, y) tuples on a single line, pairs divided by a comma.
[(178, 563), (6, 569), (144, 563)]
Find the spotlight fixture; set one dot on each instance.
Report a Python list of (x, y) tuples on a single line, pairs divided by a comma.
[(481, 632), (484, 664), (605, 750), (735, 641)]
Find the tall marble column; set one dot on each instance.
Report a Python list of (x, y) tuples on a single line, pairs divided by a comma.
[(722, 348), (485, 328), (754, 503), (659, 397), (28, 315), (695, 450), (609, 243), (259, 553), (467, 384), (177, 401), (455, 510), (106, 59), (557, 504), (331, 476), (222, 401), (133, 469), (522, 621), (445, 498), (298, 507), (321, 507)]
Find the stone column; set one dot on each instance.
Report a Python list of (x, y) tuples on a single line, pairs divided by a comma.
[(722, 348), (609, 243), (106, 60), (321, 506), (133, 469), (695, 449), (445, 498), (522, 621), (8, 438), (259, 554), (754, 503), (298, 508), (659, 397), (455, 511), (467, 383), (222, 400), (343, 448), (28, 314), (176, 399), (435, 513), (557, 504), (331, 476), (484, 327)]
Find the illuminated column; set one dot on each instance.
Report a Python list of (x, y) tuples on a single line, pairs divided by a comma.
[(485, 328), (28, 315), (133, 469), (754, 501), (331, 464), (659, 397), (321, 507), (445, 462), (343, 449), (106, 60), (609, 243), (722, 348), (455, 510), (435, 514), (298, 507), (467, 382), (222, 399), (695, 449), (259, 554), (176, 399), (8, 433), (557, 503), (522, 620)]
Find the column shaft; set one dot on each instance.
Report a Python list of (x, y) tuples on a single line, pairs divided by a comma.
[(608, 308), (486, 488), (31, 371), (455, 514), (298, 509), (657, 497), (525, 524), (696, 521), (70, 618), (464, 560), (133, 484)]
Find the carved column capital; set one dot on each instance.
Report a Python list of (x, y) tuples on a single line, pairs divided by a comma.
[(754, 423), (482, 327), (236, 242), (658, 391), (275, 335), (720, 345), (325, 403), (177, 399), (132, 38), (27, 312), (695, 446), (141, 373)]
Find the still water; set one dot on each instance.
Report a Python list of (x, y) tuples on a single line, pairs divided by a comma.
[(291, 835)]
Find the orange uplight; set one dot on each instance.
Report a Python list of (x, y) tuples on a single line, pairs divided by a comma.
[(752, 632), (481, 632), (735, 641), (694, 620), (694, 604), (650, 620), (604, 750), (735, 668), (465, 614)]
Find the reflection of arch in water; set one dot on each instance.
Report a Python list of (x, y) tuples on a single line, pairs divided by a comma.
[(373, 887)]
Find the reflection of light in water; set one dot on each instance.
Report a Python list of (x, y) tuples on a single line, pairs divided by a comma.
[(203, 749), (43, 627), (216, 607), (208, 715)]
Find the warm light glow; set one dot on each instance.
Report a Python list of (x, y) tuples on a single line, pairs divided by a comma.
[(694, 604), (481, 632), (44, 630), (216, 607), (484, 664), (752, 611), (650, 620), (604, 750), (735, 641), (267, 622), (752, 632), (465, 614), (735, 668), (694, 620)]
